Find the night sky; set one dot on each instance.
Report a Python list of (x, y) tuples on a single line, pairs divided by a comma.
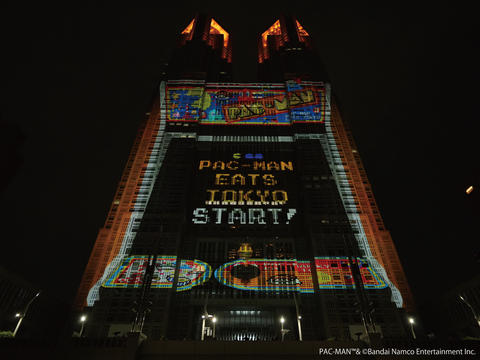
[(78, 77)]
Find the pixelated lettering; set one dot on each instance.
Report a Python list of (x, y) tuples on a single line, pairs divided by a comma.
[(275, 215), (281, 105), (219, 214), (245, 111), (295, 99), (301, 97), (225, 196), (212, 194), (307, 96), (232, 167), (260, 165), (257, 108), (237, 178), (221, 179), (280, 196), (237, 214), (218, 165), (290, 214), (260, 218), (264, 195), (254, 178), (273, 165), (269, 179), (246, 196), (288, 165), (233, 112), (204, 164), (257, 165), (200, 216)]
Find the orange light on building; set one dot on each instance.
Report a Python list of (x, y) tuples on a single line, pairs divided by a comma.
[(272, 30), (218, 30), (138, 214), (301, 31), (469, 190), (189, 28)]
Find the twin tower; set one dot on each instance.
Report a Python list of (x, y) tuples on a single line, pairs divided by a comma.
[(244, 209), (285, 52)]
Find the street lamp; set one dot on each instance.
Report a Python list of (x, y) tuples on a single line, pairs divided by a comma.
[(21, 316), (214, 321), (411, 325), (299, 317), (299, 328), (283, 332), (209, 317), (477, 318), (83, 323)]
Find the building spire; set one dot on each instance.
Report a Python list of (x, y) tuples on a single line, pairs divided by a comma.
[(204, 38), (286, 51)]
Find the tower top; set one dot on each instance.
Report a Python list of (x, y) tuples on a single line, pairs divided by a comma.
[(203, 52), (285, 30), (205, 28), (286, 51), (210, 31)]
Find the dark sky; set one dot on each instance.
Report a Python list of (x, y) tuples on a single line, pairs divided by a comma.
[(78, 77)]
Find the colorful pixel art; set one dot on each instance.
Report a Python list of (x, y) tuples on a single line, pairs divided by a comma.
[(248, 106), (131, 272), (256, 274), (335, 273), (293, 275), (273, 275)]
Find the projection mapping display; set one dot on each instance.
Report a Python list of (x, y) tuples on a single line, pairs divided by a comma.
[(293, 275), (255, 105), (268, 275), (131, 272), (246, 189)]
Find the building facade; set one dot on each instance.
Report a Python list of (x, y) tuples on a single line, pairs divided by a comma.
[(244, 211)]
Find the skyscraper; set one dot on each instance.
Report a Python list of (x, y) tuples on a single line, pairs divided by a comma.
[(244, 211)]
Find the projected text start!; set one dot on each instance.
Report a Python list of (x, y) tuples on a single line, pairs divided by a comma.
[(251, 216)]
